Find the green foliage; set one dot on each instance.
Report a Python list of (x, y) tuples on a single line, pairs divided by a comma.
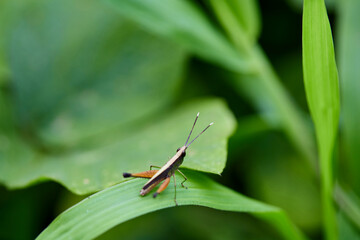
[(322, 92), (106, 111), (349, 56), (184, 23), (88, 170), (103, 210), (92, 89), (254, 77), (83, 96), (347, 231)]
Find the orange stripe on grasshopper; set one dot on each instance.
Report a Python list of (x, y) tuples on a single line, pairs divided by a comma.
[(168, 170), (162, 187), (146, 174)]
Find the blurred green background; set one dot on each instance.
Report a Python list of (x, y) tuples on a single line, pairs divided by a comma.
[(90, 89)]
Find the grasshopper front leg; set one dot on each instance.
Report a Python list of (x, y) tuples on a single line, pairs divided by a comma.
[(185, 179)]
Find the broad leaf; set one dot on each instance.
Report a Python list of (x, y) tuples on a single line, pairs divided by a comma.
[(89, 170), (182, 22), (92, 81), (104, 210), (96, 103)]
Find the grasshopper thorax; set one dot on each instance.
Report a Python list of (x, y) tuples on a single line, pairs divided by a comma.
[(182, 150)]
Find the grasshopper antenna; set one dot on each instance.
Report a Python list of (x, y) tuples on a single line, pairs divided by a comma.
[(197, 116), (199, 134)]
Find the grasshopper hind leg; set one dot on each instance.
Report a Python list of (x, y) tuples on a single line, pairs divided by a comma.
[(146, 174), (162, 187)]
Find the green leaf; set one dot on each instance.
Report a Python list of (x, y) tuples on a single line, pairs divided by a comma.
[(298, 4), (88, 170), (263, 87), (349, 204), (240, 19), (93, 103), (346, 230), (349, 56), (276, 106), (184, 23), (104, 210), (79, 89), (248, 14), (322, 92)]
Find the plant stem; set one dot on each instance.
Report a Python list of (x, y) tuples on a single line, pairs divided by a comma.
[(275, 105)]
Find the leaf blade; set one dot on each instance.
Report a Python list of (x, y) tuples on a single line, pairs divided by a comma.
[(322, 92), (122, 202), (184, 23), (255, 76), (151, 145)]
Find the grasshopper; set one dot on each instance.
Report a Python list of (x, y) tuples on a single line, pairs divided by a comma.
[(168, 170)]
